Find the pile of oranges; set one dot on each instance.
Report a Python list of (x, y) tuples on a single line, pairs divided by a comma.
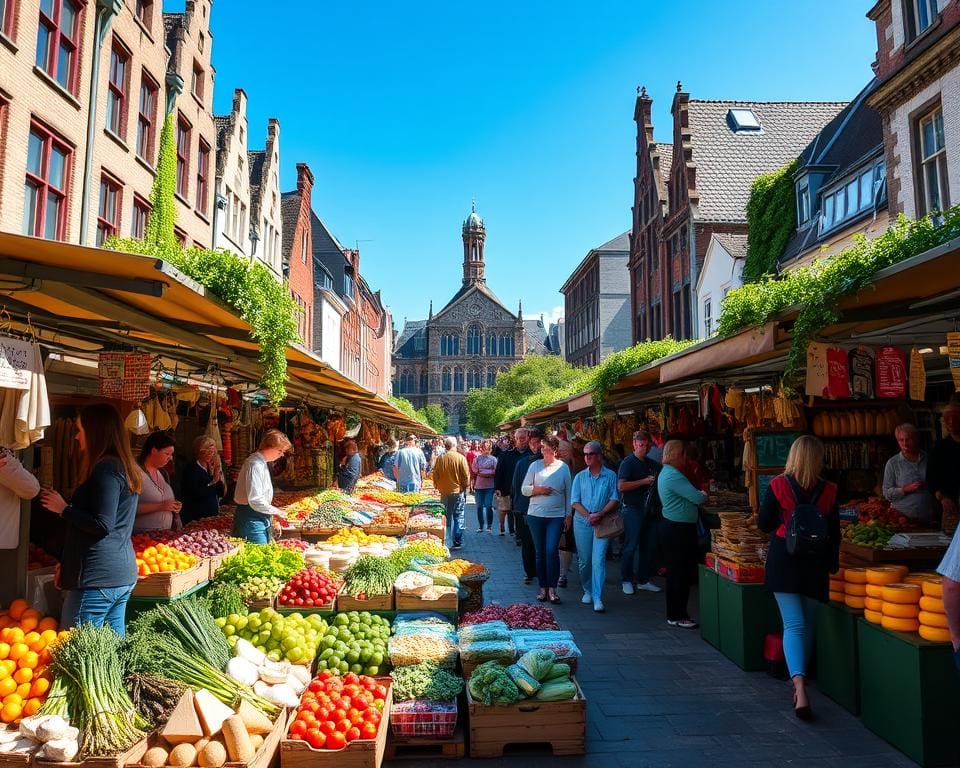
[(25, 638), (154, 557)]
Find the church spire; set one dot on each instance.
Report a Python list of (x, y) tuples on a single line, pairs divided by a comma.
[(474, 234), (431, 309)]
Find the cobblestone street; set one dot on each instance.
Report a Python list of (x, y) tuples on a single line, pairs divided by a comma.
[(660, 697)]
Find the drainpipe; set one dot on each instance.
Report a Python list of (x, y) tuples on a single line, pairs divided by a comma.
[(106, 10)]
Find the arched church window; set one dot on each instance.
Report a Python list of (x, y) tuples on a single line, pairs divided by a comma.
[(491, 345), (458, 379), (491, 377), (447, 380), (424, 383), (474, 340)]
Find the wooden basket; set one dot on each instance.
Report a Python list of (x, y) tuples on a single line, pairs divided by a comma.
[(259, 605), (409, 602), (376, 603), (171, 584)]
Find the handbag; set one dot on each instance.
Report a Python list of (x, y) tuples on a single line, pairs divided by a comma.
[(504, 503), (610, 526)]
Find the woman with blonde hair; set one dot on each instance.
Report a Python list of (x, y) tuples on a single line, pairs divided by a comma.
[(253, 519), (798, 572), (203, 484)]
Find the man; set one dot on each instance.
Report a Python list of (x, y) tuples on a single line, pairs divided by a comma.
[(637, 474), (943, 480), (521, 504), (388, 459), (410, 466), (451, 477), (503, 478), (350, 467)]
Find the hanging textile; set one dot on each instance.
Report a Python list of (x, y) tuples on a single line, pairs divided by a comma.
[(861, 373), (25, 409), (124, 375)]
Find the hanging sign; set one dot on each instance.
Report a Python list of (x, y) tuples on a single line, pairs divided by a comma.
[(918, 376), (817, 378), (838, 374), (861, 373), (16, 363), (953, 353), (891, 370)]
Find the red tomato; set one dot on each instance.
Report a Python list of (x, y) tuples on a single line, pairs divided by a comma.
[(328, 727), (368, 731), (298, 727), (344, 703), (380, 692), (353, 734), (336, 741), (373, 715), (334, 695), (344, 725), (323, 713), (360, 703), (315, 686), (316, 738), (350, 679), (338, 714), (325, 674), (355, 716)]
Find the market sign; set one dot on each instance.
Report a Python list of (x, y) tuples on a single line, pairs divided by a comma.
[(953, 352), (17, 360), (891, 368)]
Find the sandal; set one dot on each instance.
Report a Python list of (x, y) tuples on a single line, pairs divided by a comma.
[(555, 598), (542, 595)]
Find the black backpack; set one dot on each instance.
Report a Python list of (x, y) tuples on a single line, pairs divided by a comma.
[(808, 535), (652, 505)]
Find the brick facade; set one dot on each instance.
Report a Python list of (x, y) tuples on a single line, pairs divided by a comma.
[(265, 218), (298, 249)]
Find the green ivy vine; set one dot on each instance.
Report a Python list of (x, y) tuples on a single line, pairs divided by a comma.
[(606, 375), (163, 207), (771, 218)]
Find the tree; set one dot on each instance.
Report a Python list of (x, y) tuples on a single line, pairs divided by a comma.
[(533, 374), (485, 409), (434, 416)]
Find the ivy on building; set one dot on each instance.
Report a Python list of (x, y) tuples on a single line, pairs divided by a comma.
[(771, 218)]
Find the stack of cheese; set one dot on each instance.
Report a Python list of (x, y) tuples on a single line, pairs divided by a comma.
[(837, 584), (932, 617), (901, 607), (877, 578), (855, 587)]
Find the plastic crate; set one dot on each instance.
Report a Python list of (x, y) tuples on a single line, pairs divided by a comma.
[(420, 717)]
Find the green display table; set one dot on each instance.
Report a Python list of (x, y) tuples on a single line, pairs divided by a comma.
[(709, 606), (747, 614), (838, 665), (138, 605), (909, 691)]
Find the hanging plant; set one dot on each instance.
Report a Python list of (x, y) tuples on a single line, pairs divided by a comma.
[(619, 364)]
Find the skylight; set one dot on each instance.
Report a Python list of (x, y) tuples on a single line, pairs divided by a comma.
[(743, 120)]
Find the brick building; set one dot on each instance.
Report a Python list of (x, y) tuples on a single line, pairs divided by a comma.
[(597, 304), (718, 149), (918, 98), (297, 241)]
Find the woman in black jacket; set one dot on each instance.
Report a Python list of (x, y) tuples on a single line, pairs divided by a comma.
[(202, 485), (800, 581)]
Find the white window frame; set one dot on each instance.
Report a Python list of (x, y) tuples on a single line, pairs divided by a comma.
[(933, 160), (708, 315)]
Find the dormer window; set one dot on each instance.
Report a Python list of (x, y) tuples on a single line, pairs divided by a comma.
[(858, 193), (743, 121), (921, 14), (803, 204)]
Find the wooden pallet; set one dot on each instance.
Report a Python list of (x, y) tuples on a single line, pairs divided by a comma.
[(426, 748)]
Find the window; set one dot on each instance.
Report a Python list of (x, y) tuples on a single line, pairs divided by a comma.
[(933, 162), (491, 377), (144, 12), (474, 340), (920, 16), (708, 316), (147, 116), (108, 214), (447, 380), (743, 120), (458, 379), (203, 175), (8, 12), (803, 203), (47, 185), (181, 236), (858, 194), (424, 383), (117, 89), (183, 155), (196, 82), (348, 287), (58, 42), (141, 217)]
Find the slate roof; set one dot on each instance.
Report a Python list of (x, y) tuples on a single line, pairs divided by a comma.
[(536, 337), (734, 244), (727, 162), (665, 153), (619, 243), (289, 213), (405, 346), (255, 161)]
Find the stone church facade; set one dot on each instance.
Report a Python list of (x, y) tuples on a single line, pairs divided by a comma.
[(467, 343)]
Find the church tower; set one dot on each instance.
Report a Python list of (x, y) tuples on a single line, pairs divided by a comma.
[(474, 234)]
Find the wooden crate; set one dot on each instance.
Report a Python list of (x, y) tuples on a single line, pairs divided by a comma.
[(424, 748), (8, 760), (215, 561), (132, 755), (562, 725), (470, 666), (173, 583), (408, 602), (357, 754), (259, 605), (375, 603)]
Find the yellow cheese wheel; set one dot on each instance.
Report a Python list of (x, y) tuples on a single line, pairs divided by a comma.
[(870, 423), (874, 590), (838, 574), (899, 625), (874, 617), (837, 597), (855, 575), (838, 586), (900, 611), (934, 634), (853, 601), (918, 578), (933, 587), (906, 594), (860, 590), (873, 604), (930, 619), (859, 424), (886, 574), (932, 604)]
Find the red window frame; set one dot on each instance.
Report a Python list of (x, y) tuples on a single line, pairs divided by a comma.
[(203, 175), (58, 38), (118, 88), (147, 116), (183, 155), (8, 18), (196, 86), (109, 211), (41, 182), (144, 13), (141, 217)]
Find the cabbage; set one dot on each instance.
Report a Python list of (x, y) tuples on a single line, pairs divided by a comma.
[(557, 690), (537, 663), (527, 684)]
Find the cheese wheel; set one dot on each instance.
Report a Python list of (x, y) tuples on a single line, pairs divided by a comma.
[(931, 619), (853, 601), (870, 423), (918, 578), (859, 424), (934, 634), (886, 574), (899, 625), (900, 611), (859, 590), (837, 586), (932, 604), (874, 617), (906, 594), (873, 604), (855, 575), (839, 574), (874, 590), (933, 587), (836, 597)]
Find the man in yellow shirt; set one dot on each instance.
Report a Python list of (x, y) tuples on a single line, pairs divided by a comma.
[(451, 477)]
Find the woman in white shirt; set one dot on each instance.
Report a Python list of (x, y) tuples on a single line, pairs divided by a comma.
[(254, 492), (547, 483), (158, 509)]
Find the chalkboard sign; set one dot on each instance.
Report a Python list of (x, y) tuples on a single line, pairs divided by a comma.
[(763, 482), (773, 448)]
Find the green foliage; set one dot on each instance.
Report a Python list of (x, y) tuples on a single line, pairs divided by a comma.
[(163, 207), (434, 416), (403, 405), (771, 217), (485, 409), (619, 364), (817, 290), (549, 396)]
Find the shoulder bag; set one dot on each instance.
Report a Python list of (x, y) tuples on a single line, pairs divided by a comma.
[(610, 525)]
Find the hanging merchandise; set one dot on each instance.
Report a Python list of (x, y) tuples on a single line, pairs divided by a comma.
[(124, 375), (953, 353), (838, 374), (24, 406), (213, 429), (156, 414), (818, 372), (918, 376), (861, 373), (891, 373), (136, 422)]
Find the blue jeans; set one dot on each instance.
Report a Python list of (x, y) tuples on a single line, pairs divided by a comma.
[(639, 533), (455, 505), (799, 615), (103, 606), (250, 525), (545, 532), (484, 500), (408, 487), (591, 557)]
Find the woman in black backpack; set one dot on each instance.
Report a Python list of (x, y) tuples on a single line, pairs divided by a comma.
[(799, 510)]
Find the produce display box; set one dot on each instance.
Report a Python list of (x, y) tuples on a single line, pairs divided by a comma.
[(838, 661), (709, 594), (408, 602), (375, 603), (259, 605), (8, 760), (469, 667), (137, 605), (132, 755), (173, 583), (215, 561), (409, 721), (427, 747), (917, 557), (560, 724), (305, 610), (385, 530), (357, 754), (738, 572)]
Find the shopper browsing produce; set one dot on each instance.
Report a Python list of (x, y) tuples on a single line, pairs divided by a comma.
[(254, 492), (451, 477), (389, 458), (483, 469), (98, 568), (202, 484), (410, 466), (904, 478), (15, 483), (548, 486), (158, 509)]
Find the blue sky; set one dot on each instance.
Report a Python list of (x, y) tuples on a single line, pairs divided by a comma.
[(407, 111)]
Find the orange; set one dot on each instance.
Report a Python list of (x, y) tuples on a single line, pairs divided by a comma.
[(48, 623), (49, 637), (23, 675), (17, 650), (7, 686), (39, 686), (31, 707), (9, 666), (33, 641), (17, 608), (10, 712), (23, 690), (4, 650), (6, 621), (30, 659), (30, 619)]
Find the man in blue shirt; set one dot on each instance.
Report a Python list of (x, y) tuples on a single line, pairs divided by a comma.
[(635, 478), (593, 496), (410, 467), (388, 459), (351, 465)]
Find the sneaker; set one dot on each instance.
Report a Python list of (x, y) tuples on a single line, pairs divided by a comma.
[(587, 598), (627, 587), (502, 533), (598, 606), (479, 530), (649, 586), (683, 623), (562, 582), (458, 546)]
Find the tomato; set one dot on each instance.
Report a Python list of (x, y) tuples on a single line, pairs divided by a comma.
[(328, 727), (308, 717), (338, 714), (298, 727), (316, 685), (360, 704), (380, 692), (368, 731), (323, 713), (334, 695), (353, 734), (325, 674), (344, 703), (336, 741), (316, 739), (373, 715)]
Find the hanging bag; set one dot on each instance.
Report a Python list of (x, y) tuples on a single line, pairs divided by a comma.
[(610, 525)]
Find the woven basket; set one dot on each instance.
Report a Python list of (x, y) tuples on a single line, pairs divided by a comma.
[(474, 599)]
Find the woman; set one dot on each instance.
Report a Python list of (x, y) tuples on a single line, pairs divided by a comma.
[(351, 465), (98, 569), (203, 485), (158, 509), (253, 519), (678, 532), (482, 469), (799, 582), (548, 485)]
